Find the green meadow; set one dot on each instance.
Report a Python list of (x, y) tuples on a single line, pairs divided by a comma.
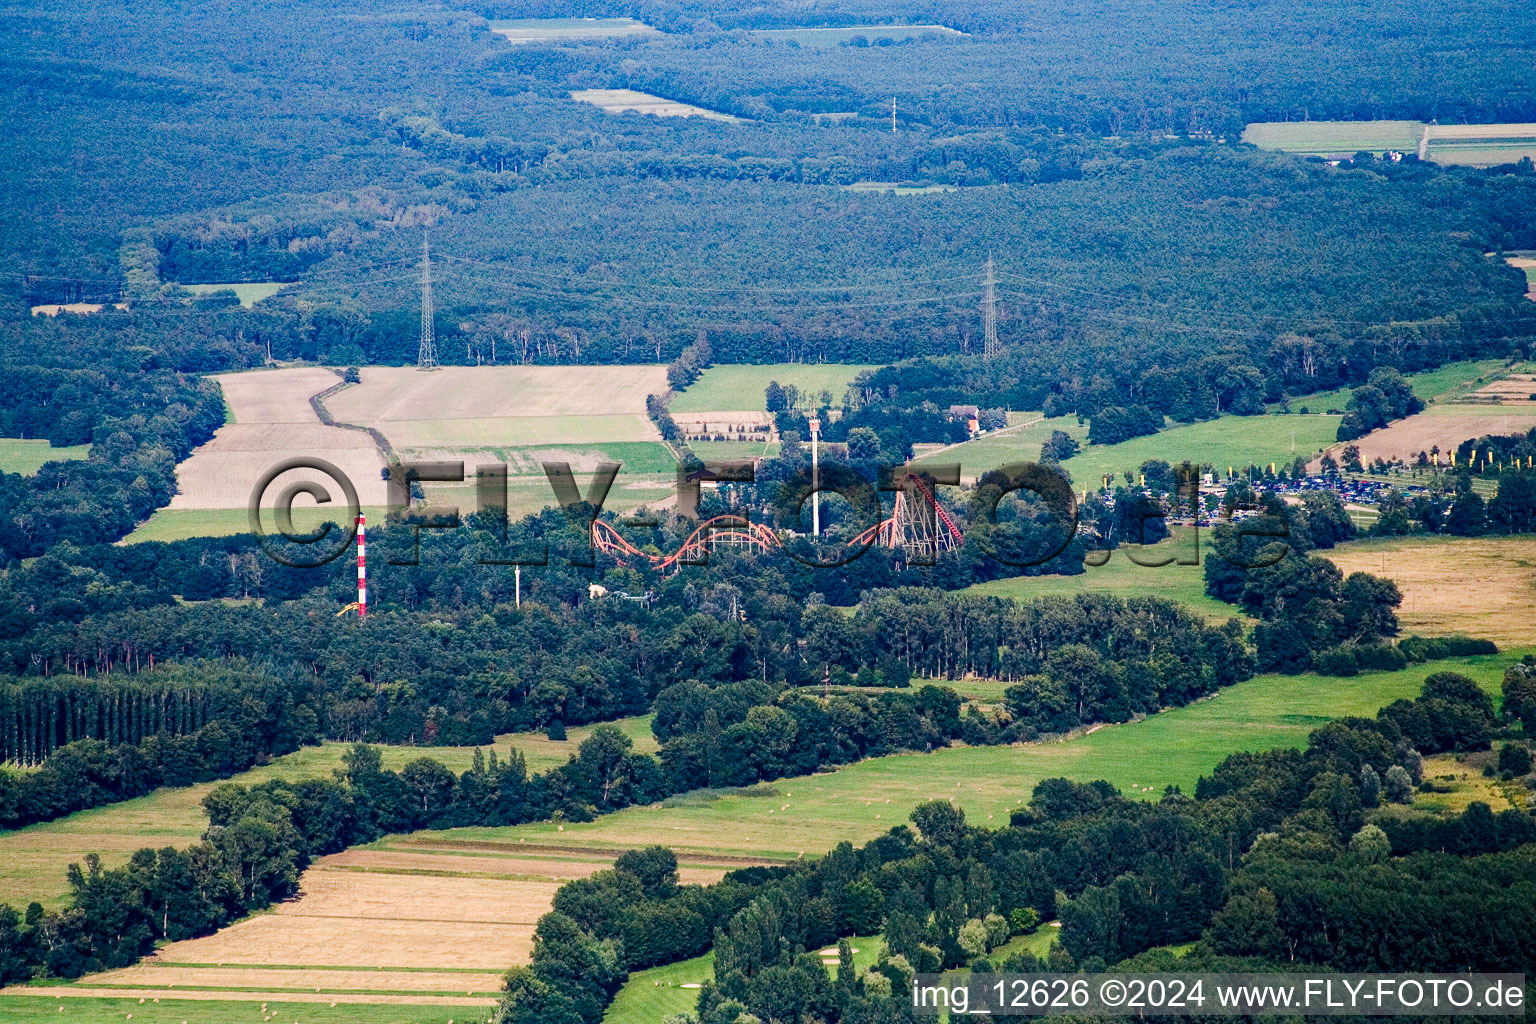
[(1443, 383), (1236, 441), (739, 387), (805, 816), (248, 292), (1020, 441), (27, 455), (1328, 137), (652, 994), (1182, 580)]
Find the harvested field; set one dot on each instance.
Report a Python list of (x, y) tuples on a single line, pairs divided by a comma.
[(474, 407), (152, 974), (617, 101), (1479, 586), (540, 30), (272, 421), (897, 189), (1479, 145), (54, 309), (1517, 389), (379, 926), (727, 425), (1443, 425)]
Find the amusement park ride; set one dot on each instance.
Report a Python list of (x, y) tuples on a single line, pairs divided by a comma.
[(918, 525)]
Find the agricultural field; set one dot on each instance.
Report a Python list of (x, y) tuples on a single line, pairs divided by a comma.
[(520, 415), (1472, 145), (248, 292), (741, 386), (839, 36), (495, 406), (734, 449), (272, 420), (809, 815), (616, 101), (54, 309), (180, 524), (1331, 138), (1442, 384), (33, 859), (1235, 441), (541, 30), (194, 1008), (380, 926), (1444, 426), (27, 455), (1479, 145), (1527, 263), (1478, 586)]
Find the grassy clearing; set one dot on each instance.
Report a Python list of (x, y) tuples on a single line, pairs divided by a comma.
[(1229, 441), (1124, 578), (838, 36), (734, 449), (27, 455), (1335, 137), (650, 995), (618, 101), (248, 292), (810, 815), (739, 387), (179, 524), (1020, 441), (1441, 384), (33, 859), (59, 1010), (898, 189), (537, 30)]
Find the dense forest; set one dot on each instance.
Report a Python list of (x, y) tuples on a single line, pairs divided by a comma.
[(1244, 272)]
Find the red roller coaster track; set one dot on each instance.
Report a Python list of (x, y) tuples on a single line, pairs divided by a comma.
[(912, 530), (731, 531)]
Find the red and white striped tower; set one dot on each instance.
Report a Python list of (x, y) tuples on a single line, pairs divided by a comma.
[(362, 565)]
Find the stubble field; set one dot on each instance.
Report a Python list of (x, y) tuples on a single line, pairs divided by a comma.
[(1478, 586)]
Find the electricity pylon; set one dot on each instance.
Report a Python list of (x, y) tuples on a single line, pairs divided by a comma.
[(426, 356), (990, 346)]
